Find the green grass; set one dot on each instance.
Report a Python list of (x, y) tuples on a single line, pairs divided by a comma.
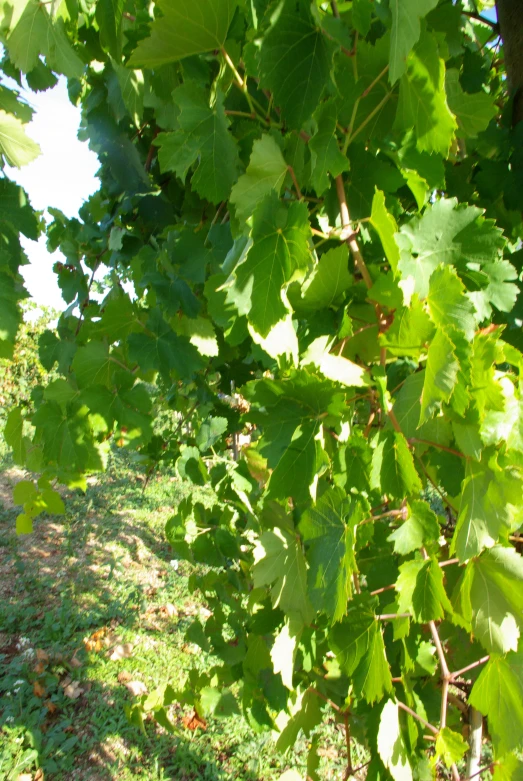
[(104, 573)]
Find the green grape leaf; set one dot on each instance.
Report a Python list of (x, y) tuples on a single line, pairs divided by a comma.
[(24, 491), (295, 44), (184, 29), (37, 33), (11, 292), (473, 112), (67, 438), (162, 350), (132, 87), (334, 367), (447, 233), (448, 303), (129, 407), (362, 15), (306, 717), (429, 599), (328, 532), (109, 18), (410, 332), (498, 694), (297, 468), (441, 375), (330, 278), (421, 591), (15, 145), (279, 246), (423, 101), (420, 528), (393, 471), (358, 645), (406, 29), (17, 210), (368, 172), (202, 136), (279, 562), (487, 509), (490, 598), (266, 172), (508, 768), (283, 653), (92, 365), (326, 157), (13, 435), (450, 746), (53, 502), (391, 744), (385, 225), (24, 524), (210, 432), (500, 289)]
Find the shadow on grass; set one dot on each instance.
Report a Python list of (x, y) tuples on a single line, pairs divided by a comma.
[(100, 576)]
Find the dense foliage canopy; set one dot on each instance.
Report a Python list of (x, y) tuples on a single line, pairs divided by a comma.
[(311, 217)]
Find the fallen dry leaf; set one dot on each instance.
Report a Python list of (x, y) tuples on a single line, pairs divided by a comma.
[(194, 722), (38, 689), (42, 656), (74, 661), (95, 641), (124, 676), (51, 707), (39, 775), (121, 652), (137, 688), (73, 690), (168, 610)]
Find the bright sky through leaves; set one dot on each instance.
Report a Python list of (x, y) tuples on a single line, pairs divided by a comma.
[(48, 181)]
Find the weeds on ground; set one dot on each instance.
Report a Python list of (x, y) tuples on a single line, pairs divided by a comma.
[(93, 613)]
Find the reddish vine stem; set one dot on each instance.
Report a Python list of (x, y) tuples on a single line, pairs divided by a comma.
[(481, 770), (324, 698), (349, 770), (414, 715), (350, 238), (393, 585), (89, 286), (295, 182), (413, 440), (435, 486), (389, 514), (469, 667), (373, 83), (351, 241), (392, 616), (479, 18), (150, 153)]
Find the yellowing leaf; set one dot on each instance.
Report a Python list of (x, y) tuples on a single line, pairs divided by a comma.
[(450, 746), (16, 146), (391, 745)]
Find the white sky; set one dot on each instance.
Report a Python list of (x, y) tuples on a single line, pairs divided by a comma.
[(64, 176)]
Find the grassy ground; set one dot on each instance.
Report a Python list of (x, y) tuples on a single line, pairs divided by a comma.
[(92, 610)]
